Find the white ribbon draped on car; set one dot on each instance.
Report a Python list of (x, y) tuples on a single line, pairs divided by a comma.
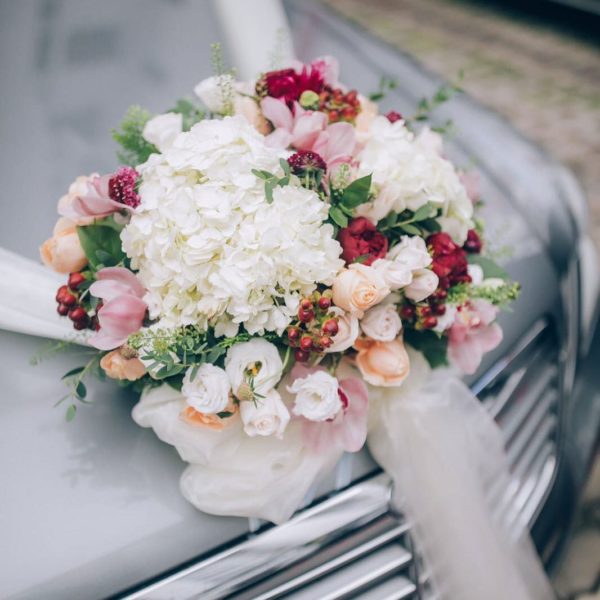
[(443, 451)]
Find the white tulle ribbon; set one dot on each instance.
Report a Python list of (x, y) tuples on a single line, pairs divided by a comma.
[(446, 457)]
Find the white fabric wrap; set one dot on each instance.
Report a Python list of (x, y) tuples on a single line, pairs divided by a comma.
[(451, 480)]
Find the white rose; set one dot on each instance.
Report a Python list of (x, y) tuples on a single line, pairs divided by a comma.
[(382, 323), (424, 283), (256, 361), (317, 397), (395, 274), (476, 273), (348, 331), (265, 416), (163, 129), (216, 92), (208, 392), (411, 252)]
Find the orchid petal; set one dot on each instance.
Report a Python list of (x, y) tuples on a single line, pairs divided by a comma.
[(277, 112)]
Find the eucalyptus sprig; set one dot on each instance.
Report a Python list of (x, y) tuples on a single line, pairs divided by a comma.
[(75, 381)]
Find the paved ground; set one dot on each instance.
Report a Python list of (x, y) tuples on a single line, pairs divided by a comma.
[(547, 83)]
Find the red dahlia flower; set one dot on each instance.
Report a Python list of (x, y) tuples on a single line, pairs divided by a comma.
[(361, 238), (288, 85)]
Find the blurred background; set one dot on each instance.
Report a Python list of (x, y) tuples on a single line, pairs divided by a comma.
[(535, 63)]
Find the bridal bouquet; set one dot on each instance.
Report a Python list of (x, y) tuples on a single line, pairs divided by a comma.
[(262, 261)]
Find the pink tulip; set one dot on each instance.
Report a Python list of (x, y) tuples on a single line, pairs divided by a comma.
[(123, 310), (348, 430), (472, 334)]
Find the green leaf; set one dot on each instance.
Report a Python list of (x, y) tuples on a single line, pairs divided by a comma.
[(410, 229), (285, 166), (225, 414), (423, 212), (362, 258), (357, 192), (135, 150), (262, 174), (490, 268), (431, 225), (194, 372), (269, 187), (80, 390), (338, 217), (102, 245), (71, 411), (433, 346), (72, 372)]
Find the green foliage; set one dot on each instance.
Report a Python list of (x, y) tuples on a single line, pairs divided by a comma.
[(77, 388), (135, 150), (225, 78), (271, 180), (386, 84), (433, 346), (344, 201), (498, 295), (102, 245), (421, 222), (444, 93), (190, 112)]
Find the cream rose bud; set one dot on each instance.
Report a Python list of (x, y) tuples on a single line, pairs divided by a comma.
[(215, 92), (256, 363), (265, 416), (163, 129), (317, 397), (395, 274), (348, 331), (411, 252), (382, 323), (208, 391), (358, 288), (424, 283)]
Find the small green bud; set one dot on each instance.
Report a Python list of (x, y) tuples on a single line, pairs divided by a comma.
[(309, 99)]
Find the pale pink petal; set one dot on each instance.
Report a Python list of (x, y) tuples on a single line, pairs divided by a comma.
[(352, 427), (124, 276), (329, 68), (489, 337), (108, 289), (466, 355), (486, 311), (280, 138), (338, 144), (277, 112), (103, 341), (307, 129), (122, 316)]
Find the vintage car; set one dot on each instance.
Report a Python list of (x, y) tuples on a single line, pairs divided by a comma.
[(91, 508)]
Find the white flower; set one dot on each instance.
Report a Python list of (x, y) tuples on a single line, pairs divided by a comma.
[(317, 397), (381, 323), (446, 320), (395, 274), (424, 283), (208, 392), (385, 201), (256, 363), (476, 273), (416, 173), (411, 251), (348, 330), (265, 416), (163, 129), (210, 249), (216, 92)]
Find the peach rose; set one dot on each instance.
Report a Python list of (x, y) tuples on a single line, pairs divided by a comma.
[(118, 365), (212, 421), (358, 288), (368, 112), (78, 188), (249, 109), (63, 252), (383, 364)]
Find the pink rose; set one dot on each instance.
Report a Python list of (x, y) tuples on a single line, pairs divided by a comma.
[(117, 365), (63, 252), (383, 364), (347, 333), (123, 310), (358, 288)]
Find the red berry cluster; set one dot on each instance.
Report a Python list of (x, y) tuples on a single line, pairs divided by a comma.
[(314, 328), (69, 303), (393, 116), (339, 105), (424, 314)]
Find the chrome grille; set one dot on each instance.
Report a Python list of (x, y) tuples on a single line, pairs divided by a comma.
[(350, 545)]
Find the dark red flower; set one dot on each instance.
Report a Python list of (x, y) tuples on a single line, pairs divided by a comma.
[(121, 187), (361, 239), (305, 161), (473, 243), (288, 85), (393, 116), (449, 260)]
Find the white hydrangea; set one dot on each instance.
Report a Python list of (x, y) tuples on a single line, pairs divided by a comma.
[(408, 173), (209, 247)]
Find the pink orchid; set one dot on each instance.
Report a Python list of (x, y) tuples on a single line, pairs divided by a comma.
[(308, 130), (123, 310), (472, 334), (348, 430), (96, 202)]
